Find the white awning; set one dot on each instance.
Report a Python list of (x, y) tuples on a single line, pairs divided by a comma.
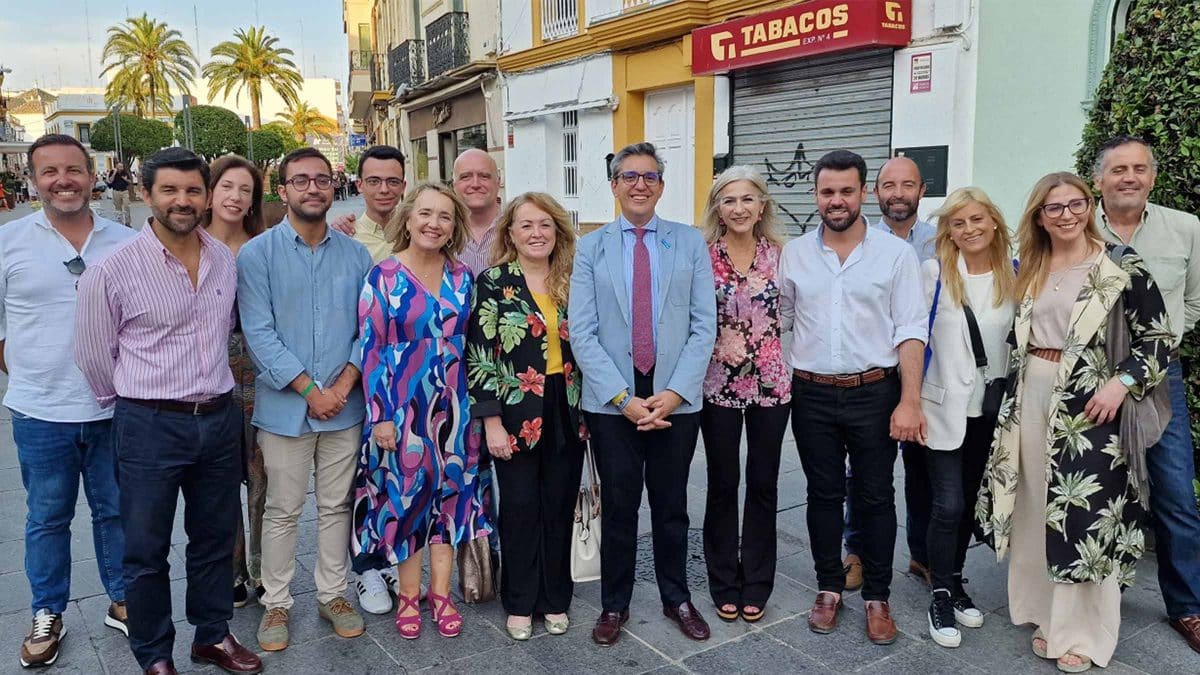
[(606, 102)]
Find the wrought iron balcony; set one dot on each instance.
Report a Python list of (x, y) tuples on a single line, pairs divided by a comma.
[(446, 40), (360, 60), (406, 64), (560, 18), (379, 81)]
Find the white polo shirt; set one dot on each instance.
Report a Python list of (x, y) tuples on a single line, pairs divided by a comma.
[(37, 316), (850, 317)]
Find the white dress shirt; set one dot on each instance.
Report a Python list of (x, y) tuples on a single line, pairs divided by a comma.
[(850, 317), (37, 316)]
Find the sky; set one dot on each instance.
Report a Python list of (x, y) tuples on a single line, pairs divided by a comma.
[(46, 44)]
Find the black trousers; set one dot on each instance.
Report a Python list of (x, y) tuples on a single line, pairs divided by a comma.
[(954, 476), (628, 459), (159, 453), (749, 578), (917, 506), (539, 488), (831, 423)]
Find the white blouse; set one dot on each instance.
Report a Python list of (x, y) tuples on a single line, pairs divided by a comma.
[(995, 323)]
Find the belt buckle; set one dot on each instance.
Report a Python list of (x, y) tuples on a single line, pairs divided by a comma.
[(849, 380)]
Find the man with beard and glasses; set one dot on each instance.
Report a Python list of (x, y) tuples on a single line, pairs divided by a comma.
[(60, 431), (899, 189), (1169, 242), (152, 337), (852, 297), (298, 288)]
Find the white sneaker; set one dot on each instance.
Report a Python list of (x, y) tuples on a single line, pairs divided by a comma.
[(941, 620), (373, 596)]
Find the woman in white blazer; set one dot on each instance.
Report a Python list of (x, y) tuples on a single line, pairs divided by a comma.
[(971, 274)]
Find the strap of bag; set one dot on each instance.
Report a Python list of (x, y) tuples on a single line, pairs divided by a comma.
[(976, 338), (937, 294)]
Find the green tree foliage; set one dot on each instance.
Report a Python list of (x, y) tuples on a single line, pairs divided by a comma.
[(268, 147), (216, 131), (352, 162), (284, 132), (249, 61), (1151, 89), (139, 137), (306, 120), (145, 57)]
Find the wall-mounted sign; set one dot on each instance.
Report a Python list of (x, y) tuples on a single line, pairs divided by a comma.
[(934, 163), (920, 74), (804, 29)]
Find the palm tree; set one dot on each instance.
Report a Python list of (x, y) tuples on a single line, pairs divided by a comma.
[(251, 59), (146, 57), (303, 119)]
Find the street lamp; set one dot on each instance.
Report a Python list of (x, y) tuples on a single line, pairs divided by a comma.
[(249, 137)]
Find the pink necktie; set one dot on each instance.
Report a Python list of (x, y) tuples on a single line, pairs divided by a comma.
[(643, 311)]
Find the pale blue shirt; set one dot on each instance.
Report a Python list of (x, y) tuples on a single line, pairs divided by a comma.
[(650, 239), (921, 237), (299, 311)]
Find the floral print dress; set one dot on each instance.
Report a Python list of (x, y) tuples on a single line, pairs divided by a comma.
[(747, 368), (414, 374)]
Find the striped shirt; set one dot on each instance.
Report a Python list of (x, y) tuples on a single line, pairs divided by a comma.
[(478, 254), (142, 330)]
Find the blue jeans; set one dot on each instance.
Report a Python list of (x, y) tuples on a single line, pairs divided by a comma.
[(53, 455), (1173, 504)]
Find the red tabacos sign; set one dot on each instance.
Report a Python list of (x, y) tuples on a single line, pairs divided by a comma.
[(804, 29)]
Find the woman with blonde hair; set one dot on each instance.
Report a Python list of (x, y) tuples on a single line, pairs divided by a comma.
[(1057, 494), (969, 288), (525, 387), (417, 479), (747, 382)]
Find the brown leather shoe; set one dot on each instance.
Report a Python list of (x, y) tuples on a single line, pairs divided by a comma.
[(608, 628), (853, 568), (689, 620), (921, 571), (1189, 628), (823, 617), (881, 629), (228, 656), (162, 668)]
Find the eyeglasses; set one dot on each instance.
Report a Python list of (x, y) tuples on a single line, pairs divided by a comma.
[(75, 265), (1076, 206), (376, 181), (301, 182), (651, 178)]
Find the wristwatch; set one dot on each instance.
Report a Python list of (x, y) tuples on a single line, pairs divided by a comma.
[(1127, 380)]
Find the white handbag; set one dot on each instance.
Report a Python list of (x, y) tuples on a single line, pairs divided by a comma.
[(585, 533)]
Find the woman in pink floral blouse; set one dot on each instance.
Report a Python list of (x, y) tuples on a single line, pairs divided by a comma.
[(747, 381)]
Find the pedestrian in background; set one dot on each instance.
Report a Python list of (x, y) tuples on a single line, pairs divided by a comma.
[(532, 429), (969, 289), (119, 181), (747, 382)]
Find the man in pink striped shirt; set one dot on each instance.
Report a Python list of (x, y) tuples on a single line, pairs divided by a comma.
[(152, 330)]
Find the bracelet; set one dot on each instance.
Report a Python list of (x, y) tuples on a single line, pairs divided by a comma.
[(620, 399), (312, 384)]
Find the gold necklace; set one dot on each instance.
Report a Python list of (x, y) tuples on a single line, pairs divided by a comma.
[(1068, 268)]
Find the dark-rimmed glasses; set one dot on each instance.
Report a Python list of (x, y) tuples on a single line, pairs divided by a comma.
[(376, 181), (1076, 206), (75, 265), (651, 178), (301, 182)]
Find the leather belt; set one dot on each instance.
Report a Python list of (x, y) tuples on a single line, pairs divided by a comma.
[(1047, 354), (1173, 355), (847, 381), (208, 407)]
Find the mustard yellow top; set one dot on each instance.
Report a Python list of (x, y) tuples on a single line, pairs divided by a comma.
[(554, 360)]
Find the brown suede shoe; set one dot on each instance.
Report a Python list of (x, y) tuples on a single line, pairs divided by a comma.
[(229, 656), (690, 623), (881, 629), (608, 628), (161, 668), (1189, 628), (921, 572), (853, 568), (823, 617)]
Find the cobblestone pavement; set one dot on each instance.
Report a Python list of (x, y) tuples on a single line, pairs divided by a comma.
[(780, 643)]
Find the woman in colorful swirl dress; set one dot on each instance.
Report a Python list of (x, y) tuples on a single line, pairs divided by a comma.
[(417, 482)]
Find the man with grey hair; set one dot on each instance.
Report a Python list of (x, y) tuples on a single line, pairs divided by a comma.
[(643, 323), (1169, 242)]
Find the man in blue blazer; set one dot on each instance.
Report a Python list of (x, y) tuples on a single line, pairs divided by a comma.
[(643, 322)]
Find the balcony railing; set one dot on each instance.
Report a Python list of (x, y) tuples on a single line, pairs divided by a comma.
[(446, 40), (406, 63), (560, 19), (360, 60), (379, 81)]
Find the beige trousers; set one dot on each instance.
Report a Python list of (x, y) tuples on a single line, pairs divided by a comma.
[(121, 204), (289, 463)]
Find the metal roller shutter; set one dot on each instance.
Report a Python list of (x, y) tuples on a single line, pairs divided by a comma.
[(786, 116)]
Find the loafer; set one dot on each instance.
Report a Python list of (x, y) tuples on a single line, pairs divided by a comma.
[(1189, 628), (162, 668), (920, 571), (607, 630), (881, 629), (823, 617), (689, 621), (229, 656), (854, 572)]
